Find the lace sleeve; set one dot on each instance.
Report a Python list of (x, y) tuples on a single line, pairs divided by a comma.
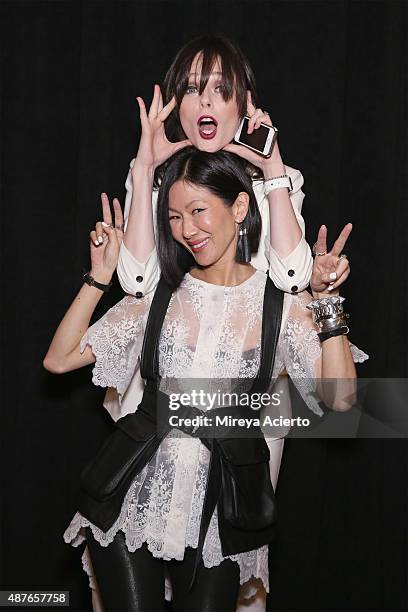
[(116, 341), (301, 349)]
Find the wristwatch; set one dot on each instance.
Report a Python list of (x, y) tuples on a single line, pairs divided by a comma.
[(93, 283), (277, 182)]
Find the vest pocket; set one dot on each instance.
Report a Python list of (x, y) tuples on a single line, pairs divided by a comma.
[(119, 460), (247, 495)]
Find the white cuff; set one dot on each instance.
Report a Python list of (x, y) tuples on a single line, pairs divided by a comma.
[(136, 277), (292, 273)]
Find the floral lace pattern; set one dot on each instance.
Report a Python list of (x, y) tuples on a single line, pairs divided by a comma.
[(209, 332), (116, 341)]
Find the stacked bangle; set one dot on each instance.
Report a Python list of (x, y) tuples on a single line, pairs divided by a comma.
[(329, 316)]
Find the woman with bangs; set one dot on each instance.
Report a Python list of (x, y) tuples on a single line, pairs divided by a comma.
[(208, 89), (212, 328)]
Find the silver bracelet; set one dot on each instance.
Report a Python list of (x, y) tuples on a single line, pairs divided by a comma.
[(327, 307), (329, 316), (333, 323)]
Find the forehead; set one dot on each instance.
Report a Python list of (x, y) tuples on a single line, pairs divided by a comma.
[(182, 193)]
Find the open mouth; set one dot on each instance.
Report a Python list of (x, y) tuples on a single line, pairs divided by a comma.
[(207, 126)]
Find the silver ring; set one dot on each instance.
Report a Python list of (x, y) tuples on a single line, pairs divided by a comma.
[(343, 256), (316, 252), (120, 227)]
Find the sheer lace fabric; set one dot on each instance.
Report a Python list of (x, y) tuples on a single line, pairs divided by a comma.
[(210, 332)]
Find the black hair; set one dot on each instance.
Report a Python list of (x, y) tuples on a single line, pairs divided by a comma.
[(223, 174)]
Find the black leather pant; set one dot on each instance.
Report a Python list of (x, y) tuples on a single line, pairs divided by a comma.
[(134, 581)]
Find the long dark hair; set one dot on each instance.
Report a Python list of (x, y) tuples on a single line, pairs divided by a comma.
[(237, 75), (224, 175)]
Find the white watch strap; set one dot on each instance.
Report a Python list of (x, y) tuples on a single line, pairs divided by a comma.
[(277, 182)]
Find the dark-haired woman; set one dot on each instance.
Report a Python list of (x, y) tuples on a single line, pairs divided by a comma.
[(208, 89), (212, 329)]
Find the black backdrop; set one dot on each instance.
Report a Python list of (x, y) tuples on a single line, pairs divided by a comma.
[(333, 75)]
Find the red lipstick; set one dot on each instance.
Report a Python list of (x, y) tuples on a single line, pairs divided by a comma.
[(207, 126)]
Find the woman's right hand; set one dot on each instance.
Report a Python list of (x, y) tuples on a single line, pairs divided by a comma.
[(105, 241), (154, 147)]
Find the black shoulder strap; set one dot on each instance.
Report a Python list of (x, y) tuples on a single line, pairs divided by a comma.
[(271, 323), (149, 357)]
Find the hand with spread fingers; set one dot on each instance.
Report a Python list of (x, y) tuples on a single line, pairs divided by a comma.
[(257, 116), (154, 147), (105, 240), (330, 269)]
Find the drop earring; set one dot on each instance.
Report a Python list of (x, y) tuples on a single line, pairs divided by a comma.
[(243, 254)]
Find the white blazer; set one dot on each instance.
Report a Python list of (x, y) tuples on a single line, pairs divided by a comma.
[(291, 274)]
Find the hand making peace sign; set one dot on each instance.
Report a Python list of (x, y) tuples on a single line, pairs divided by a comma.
[(154, 147), (105, 240), (330, 269)]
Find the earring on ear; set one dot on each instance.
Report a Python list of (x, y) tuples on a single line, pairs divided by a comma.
[(243, 253)]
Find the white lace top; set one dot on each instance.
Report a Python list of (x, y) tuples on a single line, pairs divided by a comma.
[(209, 331)]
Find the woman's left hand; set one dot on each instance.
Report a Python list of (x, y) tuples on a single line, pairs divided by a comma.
[(257, 116), (105, 240), (330, 269)]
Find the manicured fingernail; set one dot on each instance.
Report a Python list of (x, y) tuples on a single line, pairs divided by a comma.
[(96, 243), (333, 276), (330, 288), (100, 239), (105, 224)]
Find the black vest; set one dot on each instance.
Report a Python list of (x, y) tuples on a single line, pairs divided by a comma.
[(238, 481)]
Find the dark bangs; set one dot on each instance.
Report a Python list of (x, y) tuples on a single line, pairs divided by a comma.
[(237, 75)]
